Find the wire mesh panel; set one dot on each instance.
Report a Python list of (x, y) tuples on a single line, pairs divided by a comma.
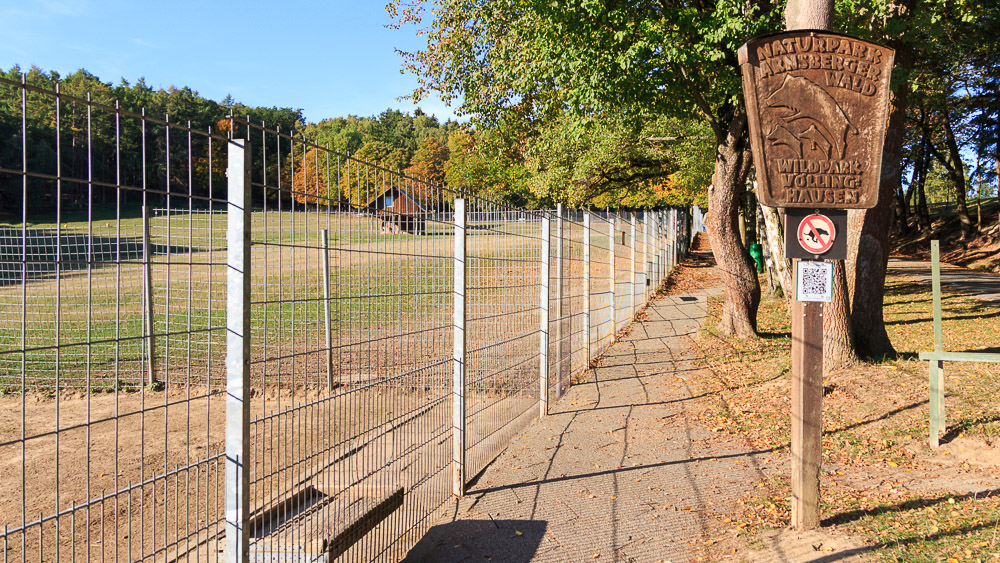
[(350, 432), (239, 343), (574, 296), (111, 326), (566, 345), (623, 271), (503, 260), (602, 282)]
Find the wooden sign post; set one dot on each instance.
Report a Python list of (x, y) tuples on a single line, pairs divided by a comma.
[(817, 105)]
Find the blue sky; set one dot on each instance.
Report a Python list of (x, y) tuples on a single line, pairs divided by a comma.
[(329, 58)]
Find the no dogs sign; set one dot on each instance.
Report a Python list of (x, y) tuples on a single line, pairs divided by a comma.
[(811, 234), (816, 233)]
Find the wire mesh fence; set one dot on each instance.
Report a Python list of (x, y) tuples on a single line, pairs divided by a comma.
[(236, 344)]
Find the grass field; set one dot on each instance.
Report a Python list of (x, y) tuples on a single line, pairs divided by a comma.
[(880, 479), (94, 314), (117, 458)]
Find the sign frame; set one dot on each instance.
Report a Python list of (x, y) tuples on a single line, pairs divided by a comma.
[(794, 216), (817, 113), (800, 269)]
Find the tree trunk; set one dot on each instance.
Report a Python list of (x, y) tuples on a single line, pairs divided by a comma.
[(838, 341), (902, 211), (773, 284), (868, 230), (838, 346), (742, 288), (917, 185), (814, 14), (923, 214), (979, 193), (775, 236), (957, 172)]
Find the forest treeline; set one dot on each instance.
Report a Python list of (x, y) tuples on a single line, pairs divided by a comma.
[(111, 150), (521, 166)]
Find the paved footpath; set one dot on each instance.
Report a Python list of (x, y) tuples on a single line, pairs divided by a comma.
[(619, 470), (983, 286)]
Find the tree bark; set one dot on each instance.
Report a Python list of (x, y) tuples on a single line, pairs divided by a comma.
[(739, 277), (815, 14), (868, 230), (838, 340), (773, 283), (775, 235)]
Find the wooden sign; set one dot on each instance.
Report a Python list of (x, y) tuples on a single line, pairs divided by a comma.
[(817, 107)]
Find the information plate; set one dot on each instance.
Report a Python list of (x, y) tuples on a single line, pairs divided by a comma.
[(817, 105), (814, 281)]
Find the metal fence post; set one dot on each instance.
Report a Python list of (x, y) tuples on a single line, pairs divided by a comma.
[(635, 276), (458, 429), (324, 239), (147, 296), (543, 344), (560, 349), (586, 281), (238, 354)]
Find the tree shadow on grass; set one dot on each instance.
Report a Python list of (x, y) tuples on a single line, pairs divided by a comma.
[(774, 335), (848, 553), (943, 318), (884, 416), (911, 504), (957, 429)]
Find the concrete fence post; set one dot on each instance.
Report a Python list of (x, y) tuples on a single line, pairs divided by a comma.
[(324, 240), (656, 247), (458, 427), (238, 353), (672, 234), (659, 246), (543, 339), (613, 245), (647, 264), (634, 278), (560, 286), (586, 283)]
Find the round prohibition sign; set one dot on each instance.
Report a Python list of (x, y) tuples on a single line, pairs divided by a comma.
[(816, 233)]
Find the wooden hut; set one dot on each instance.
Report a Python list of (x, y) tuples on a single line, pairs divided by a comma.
[(399, 212)]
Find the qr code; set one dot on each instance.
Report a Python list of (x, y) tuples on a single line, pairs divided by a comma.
[(815, 281)]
